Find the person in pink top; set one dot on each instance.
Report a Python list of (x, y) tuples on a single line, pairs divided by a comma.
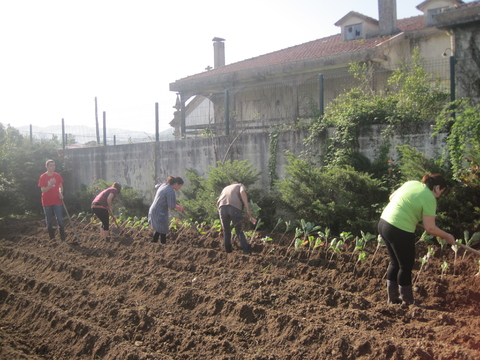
[(51, 185), (102, 206)]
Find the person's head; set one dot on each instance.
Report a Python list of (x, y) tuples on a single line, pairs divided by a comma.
[(436, 183), (117, 186), (50, 165), (175, 182)]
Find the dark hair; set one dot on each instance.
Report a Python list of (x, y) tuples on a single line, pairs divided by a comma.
[(432, 180), (117, 186), (172, 180)]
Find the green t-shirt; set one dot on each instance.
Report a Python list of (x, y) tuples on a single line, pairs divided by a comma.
[(408, 205)]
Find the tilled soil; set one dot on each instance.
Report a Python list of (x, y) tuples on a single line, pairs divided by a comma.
[(132, 299)]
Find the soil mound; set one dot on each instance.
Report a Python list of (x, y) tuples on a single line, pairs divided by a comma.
[(128, 298)]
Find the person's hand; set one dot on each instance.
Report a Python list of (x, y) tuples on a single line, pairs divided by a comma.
[(60, 195), (179, 208), (450, 239), (52, 182)]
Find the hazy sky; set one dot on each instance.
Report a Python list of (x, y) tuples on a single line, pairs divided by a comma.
[(57, 56)]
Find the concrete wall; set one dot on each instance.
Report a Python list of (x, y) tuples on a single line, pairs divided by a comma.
[(141, 166)]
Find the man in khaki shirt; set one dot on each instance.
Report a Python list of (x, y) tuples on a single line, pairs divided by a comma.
[(230, 206)]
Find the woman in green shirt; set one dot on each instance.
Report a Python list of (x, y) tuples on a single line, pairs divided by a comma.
[(413, 202)]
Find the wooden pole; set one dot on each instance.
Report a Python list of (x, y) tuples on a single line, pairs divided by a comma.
[(96, 123)]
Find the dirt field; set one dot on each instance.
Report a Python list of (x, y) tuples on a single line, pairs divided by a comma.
[(132, 299)]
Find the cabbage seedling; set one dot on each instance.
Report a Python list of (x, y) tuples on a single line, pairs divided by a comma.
[(360, 242), (287, 226), (427, 239), (362, 257), (324, 236), (470, 241), (455, 249), (336, 246), (444, 267), (425, 259), (380, 242), (279, 221), (296, 238), (442, 242)]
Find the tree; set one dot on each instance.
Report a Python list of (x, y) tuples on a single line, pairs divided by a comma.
[(21, 164)]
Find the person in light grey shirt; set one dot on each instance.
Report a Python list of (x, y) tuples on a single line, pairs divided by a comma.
[(230, 206)]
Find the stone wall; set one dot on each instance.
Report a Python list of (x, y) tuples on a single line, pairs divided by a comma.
[(142, 165)]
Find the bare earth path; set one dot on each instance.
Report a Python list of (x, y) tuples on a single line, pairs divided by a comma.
[(132, 299)]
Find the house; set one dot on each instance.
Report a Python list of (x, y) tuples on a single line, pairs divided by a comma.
[(462, 22), (288, 85)]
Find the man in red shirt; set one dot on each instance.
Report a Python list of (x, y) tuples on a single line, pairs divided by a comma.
[(51, 184)]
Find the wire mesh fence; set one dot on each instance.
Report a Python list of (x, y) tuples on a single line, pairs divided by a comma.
[(261, 107), (249, 108)]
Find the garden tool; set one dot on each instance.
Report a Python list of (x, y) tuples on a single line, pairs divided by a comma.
[(468, 248), (71, 224), (116, 229)]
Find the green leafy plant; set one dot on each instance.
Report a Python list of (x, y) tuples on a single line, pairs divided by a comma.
[(287, 227), (380, 243), (470, 241), (427, 239), (424, 260), (444, 267), (362, 257), (442, 242), (455, 248), (336, 245), (266, 239), (360, 242)]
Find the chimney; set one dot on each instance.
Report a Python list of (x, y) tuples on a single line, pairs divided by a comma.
[(387, 16), (218, 52)]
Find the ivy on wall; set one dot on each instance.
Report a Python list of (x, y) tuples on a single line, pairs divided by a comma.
[(272, 161)]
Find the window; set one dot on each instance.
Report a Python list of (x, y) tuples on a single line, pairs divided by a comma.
[(432, 12), (353, 32)]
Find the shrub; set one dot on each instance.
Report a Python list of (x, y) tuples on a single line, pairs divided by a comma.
[(338, 198), (200, 196)]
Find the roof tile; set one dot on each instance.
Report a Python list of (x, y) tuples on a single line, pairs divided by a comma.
[(326, 46)]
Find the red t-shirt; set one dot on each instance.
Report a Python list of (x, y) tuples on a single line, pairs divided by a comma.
[(51, 197)]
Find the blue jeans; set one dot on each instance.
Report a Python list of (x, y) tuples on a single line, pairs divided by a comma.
[(229, 214), (49, 212)]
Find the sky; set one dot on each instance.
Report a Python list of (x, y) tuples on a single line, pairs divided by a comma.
[(56, 56)]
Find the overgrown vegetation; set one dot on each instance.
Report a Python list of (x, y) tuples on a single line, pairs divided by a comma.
[(128, 203), (412, 97), (201, 194)]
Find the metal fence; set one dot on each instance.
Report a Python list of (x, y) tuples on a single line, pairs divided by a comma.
[(250, 108), (261, 107)]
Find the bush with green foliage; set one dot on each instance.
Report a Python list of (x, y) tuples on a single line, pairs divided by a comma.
[(128, 203), (462, 122), (21, 163), (412, 97), (200, 196), (341, 199), (461, 207)]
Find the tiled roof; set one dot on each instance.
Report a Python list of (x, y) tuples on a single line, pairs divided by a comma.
[(327, 46)]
